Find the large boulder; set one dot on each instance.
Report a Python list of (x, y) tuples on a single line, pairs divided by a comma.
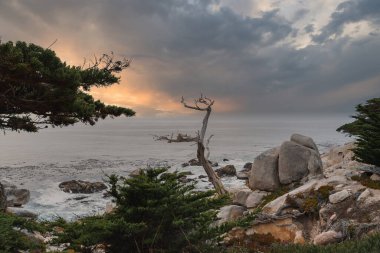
[(3, 199), (304, 141), (264, 172), (79, 186), (297, 161)]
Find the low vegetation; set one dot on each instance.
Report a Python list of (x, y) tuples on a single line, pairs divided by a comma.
[(370, 244), (11, 237), (365, 180)]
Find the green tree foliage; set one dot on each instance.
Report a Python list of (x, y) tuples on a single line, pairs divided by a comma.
[(12, 239), (154, 213), (37, 89), (366, 129)]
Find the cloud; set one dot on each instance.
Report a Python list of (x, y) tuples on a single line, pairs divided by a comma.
[(349, 12), (244, 53)]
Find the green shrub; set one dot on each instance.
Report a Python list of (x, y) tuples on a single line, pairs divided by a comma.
[(365, 180), (11, 239), (154, 213), (369, 244)]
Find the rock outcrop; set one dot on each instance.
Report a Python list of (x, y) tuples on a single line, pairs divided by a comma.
[(79, 186), (17, 197), (316, 210), (294, 161), (13, 195)]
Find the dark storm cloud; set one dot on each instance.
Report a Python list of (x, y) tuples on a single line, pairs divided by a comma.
[(350, 12), (309, 28), (188, 47)]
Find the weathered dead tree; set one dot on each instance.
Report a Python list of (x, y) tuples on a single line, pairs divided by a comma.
[(200, 104)]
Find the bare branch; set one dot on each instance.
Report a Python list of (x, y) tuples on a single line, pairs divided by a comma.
[(52, 44)]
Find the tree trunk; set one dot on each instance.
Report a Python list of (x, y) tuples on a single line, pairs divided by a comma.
[(212, 176)]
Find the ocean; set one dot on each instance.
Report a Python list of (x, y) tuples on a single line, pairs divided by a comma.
[(40, 161)]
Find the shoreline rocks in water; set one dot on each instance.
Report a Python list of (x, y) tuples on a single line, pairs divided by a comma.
[(228, 170), (79, 186), (13, 196)]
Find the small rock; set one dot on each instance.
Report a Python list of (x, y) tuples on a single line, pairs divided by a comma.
[(255, 198), (228, 170), (328, 237), (247, 166), (215, 164), (225, 160), (375, 177), (107, 195), (339, 196), (299, 238), (184, 165), (242, 175), (240, 197), (202, 176), (230, 213), (110, 207), (135, 173), (185, 180), (194, 162), (333, 217), (79, 186), (364, 195)]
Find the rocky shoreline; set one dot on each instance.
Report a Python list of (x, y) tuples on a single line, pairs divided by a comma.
[(297, 195), (321, 208)]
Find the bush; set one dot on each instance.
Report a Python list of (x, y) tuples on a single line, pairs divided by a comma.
[(369, 244), (154, 213), (11, 239), (366, 129)]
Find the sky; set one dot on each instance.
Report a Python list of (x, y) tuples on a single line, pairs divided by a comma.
[(251, 56)]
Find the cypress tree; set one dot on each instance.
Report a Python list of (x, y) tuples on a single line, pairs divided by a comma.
[(366, 130), (37, 89)]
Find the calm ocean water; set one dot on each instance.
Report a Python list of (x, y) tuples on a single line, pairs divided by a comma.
[(40, 161)]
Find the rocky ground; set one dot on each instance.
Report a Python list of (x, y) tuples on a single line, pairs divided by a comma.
[(334, 199)]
